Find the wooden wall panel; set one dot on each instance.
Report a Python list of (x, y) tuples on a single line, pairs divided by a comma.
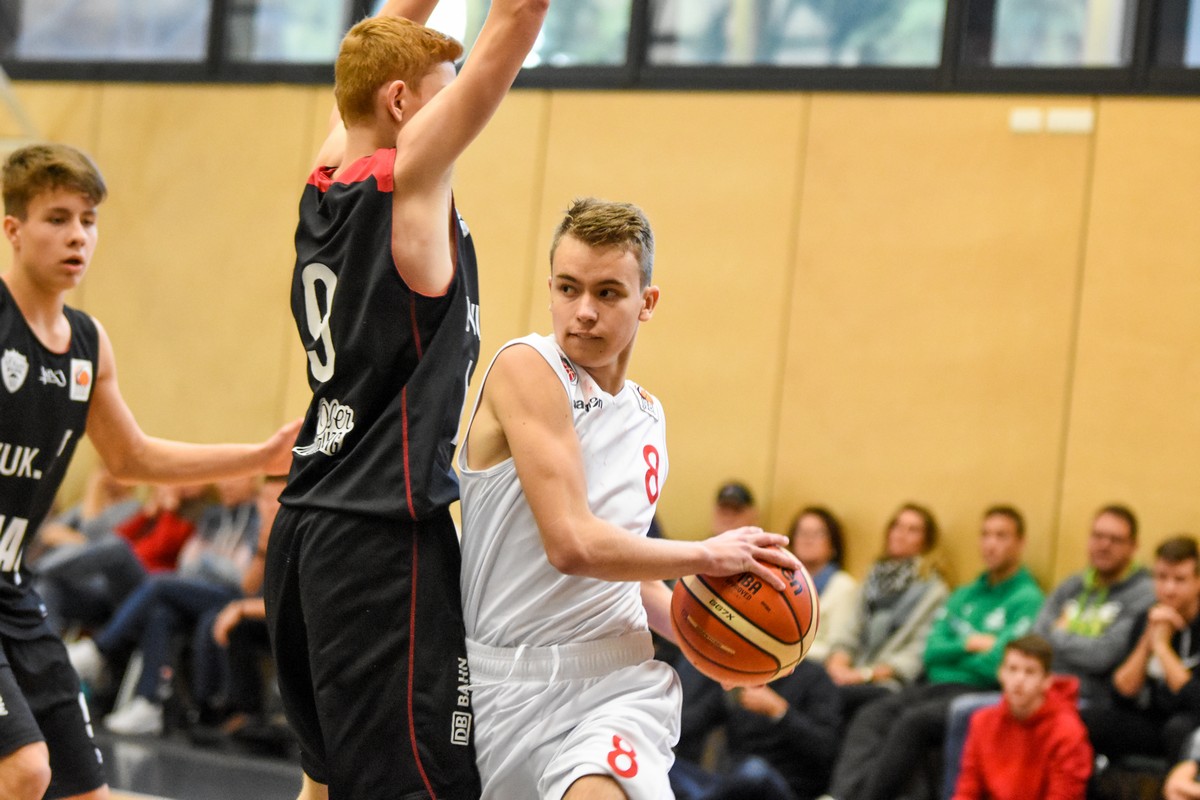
[(191, 276), (931, 319), (717, 175), (1134, 422), (498, 187)]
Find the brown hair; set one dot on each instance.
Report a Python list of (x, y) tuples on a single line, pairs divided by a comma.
[(380, 50), (41, 168), (600, 223), (1033, 646), (1179, 549)]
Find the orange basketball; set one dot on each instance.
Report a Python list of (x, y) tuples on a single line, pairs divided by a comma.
[(739, 630)]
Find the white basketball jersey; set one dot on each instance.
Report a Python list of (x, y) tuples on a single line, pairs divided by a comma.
[(511, 593)]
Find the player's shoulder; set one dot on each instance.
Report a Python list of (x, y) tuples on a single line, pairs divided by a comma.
[(528, 361), (647, 402)]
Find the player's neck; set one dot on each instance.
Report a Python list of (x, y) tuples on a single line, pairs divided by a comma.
[(611, 377), (42, 309), (363, 141)]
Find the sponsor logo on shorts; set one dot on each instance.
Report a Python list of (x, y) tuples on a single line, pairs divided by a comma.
[(460, 723), (14, 366), (3, 708), (334, 421), (81, 379)]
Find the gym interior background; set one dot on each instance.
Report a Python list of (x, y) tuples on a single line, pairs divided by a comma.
[(966, 278)]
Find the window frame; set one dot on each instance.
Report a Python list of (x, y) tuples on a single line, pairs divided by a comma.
[(1142, 76)]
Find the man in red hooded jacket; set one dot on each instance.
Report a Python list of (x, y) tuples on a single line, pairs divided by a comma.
[(1033, 743)]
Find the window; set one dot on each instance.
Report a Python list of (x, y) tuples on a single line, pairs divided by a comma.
[(820, 33), (577, 32), (1178, 34), (286, 31), (105, 30), (1051, 33)]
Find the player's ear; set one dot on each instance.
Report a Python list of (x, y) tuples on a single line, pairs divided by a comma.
[(649, 302), (12, 227), (395, 96)]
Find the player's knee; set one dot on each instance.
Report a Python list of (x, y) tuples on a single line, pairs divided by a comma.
[(595, 787), (95, 794), (25, 774)]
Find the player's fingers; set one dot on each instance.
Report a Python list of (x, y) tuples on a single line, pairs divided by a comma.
[(778, 556), (768, 574)]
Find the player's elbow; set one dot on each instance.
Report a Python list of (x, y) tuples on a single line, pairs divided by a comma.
[(567, 551), (568, 558)]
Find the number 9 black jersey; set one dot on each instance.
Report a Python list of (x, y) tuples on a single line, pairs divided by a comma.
[(388, 367)]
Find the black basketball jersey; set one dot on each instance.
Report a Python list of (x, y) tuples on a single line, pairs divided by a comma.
[(44, 401), (388, 367)]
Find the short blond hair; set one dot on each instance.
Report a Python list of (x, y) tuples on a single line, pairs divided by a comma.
[(380, 50), (600, 223), (40, 168)]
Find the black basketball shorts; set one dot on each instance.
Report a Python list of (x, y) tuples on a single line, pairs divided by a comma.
[(40, 701), (365, 617)]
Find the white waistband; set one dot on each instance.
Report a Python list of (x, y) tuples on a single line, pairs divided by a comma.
[(559, 661)]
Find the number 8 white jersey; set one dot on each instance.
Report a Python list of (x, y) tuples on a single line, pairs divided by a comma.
[(512, 595)]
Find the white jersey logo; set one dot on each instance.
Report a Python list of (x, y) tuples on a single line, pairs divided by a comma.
[(15, 367), (55, 377), (334, 421)]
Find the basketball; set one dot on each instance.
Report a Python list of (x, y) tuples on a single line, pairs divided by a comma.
[(738, 630)]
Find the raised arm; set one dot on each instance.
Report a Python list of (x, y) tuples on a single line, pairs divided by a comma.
[(131, 455), (526, 413), (429, 143), (334, 147)]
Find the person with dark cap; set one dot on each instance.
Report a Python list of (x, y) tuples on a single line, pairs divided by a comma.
[(734, 508)]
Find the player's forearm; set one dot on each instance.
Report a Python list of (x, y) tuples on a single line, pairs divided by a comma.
[(595, 549), (656, 599), (157, 460), (416, 10)]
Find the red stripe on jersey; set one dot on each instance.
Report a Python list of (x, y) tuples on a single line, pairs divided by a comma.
[(380, 165), (416, 331), (412, 659), (404, 446)]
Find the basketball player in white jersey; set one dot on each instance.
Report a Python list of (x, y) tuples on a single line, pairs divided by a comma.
[(561, 471)]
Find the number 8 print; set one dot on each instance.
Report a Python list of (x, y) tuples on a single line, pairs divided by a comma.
[(623, 758)]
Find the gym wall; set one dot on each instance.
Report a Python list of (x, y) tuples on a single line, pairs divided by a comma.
[(867, 298)]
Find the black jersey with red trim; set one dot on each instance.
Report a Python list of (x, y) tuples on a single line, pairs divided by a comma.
[(44, 401), (388, 367)]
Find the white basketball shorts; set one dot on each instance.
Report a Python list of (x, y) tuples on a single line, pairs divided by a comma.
[(547, 716)]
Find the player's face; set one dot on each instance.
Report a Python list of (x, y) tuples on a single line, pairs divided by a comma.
[(999, 543), (1177, 585), (54, 244), (597, 302), (1024, 682)]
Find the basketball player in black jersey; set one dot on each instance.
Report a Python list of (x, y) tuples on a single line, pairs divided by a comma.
[(361, 586), (58, 380)]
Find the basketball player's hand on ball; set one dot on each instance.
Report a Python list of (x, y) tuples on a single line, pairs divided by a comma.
[(751, 550)]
